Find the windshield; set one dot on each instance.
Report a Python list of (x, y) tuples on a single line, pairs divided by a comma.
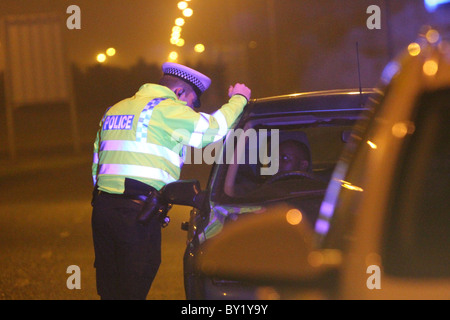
[(280, 158)]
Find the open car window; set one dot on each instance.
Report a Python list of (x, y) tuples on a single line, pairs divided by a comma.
[(268, 158)]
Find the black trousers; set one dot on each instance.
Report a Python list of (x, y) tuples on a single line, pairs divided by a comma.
[(127, 254)]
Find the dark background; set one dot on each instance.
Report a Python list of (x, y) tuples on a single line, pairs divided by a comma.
[(275, 47)]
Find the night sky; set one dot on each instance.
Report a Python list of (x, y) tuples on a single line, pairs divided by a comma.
[(141, 28), (306, 39)]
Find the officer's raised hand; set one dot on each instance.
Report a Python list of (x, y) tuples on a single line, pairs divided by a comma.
[(241, 89)]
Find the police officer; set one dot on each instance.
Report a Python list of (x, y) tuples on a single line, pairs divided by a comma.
[(139, 149)]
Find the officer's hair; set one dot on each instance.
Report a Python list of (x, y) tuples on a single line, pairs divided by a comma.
[(173, 82)]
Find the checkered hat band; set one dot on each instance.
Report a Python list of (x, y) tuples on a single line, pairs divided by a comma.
[(186, 76)]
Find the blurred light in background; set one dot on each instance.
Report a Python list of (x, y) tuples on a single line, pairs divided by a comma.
[(180, 42), (401, 129), (433, 36), (294, 217), (176, 35), (430, 67), (182, 5), (371, 144), (101, 57), (199, 48), (432, 5), (179, 22), (111, 52), (175, 38), (188, 12), (173, 56), (176, 29), (414, 49)]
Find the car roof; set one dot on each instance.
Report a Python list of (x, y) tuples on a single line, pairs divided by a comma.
[(330, 100)]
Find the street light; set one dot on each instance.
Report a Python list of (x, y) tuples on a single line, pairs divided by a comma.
[(182, 5), (177, 29), (188, 12), (175, 38), (175, 35), (179, 22), (101, 57), (111, 52), (199, 48), (180, 42), (173, 56)]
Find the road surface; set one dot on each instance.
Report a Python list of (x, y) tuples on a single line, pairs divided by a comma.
[(45, 226)]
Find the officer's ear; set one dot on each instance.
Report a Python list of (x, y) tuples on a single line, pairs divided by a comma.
[(179, 92)]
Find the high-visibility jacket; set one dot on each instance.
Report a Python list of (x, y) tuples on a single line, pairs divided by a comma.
[(143, 137)]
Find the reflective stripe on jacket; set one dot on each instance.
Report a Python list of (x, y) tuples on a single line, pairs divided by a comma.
[(142, 137)]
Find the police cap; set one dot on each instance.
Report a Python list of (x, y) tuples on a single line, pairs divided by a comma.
[(199, 82)]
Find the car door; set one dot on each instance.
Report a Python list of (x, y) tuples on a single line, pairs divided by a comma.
[(399, 249)]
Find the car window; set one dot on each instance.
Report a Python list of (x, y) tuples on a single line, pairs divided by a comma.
[(285, 142), (418, 225), (334, 227)]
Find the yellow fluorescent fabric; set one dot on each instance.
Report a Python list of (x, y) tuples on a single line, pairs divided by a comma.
[(142, 138)]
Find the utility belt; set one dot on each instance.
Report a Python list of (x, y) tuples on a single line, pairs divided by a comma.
[(140, 199), (152, 201)]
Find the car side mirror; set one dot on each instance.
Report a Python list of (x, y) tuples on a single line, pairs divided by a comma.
[(184, 192), (275, 247)]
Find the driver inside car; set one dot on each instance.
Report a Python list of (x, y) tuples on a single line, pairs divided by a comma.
[(294, 174), (294, 156)]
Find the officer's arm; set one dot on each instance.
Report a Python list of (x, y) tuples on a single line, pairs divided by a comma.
[(239, 96), (198, 129), (221, 120), (95, 158), (96, 149)]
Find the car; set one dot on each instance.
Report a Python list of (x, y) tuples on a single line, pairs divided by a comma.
[(282, 149), (383, 230)]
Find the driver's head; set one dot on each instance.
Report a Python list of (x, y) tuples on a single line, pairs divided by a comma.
[(188, 84), (294, 156)]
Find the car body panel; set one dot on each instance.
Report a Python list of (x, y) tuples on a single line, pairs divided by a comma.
[(383, 230), (206, 223), (375, 171)]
